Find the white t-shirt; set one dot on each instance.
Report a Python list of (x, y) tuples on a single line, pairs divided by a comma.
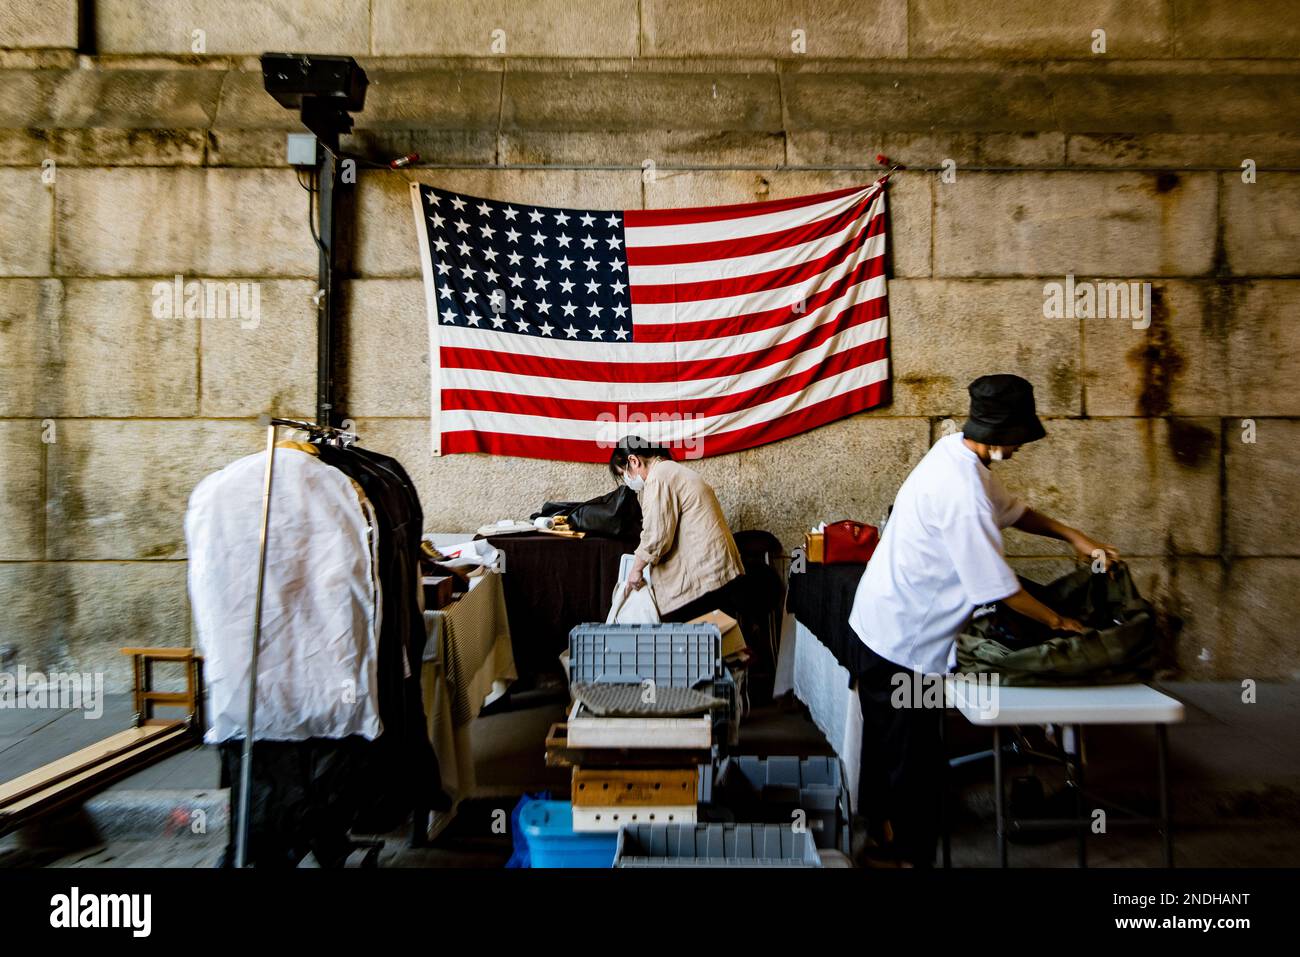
[(939, 558)]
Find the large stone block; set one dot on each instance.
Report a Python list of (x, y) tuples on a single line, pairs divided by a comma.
[(912, 99), (1262, 606), (848, 469), (39, 25), (550, 28), (232, 26), (858, 29), (637, 100), (966, 149), (1261, 224), (385, 239), (1228, 28), (909, 200), (1263, 348), (1174, 150), (720, 148), (157, 222), (22, 511), (1262, 487), (1034, 29), (118, 489), (30, 313), (1112, 225), (387, 349), (136, 99), (1149, 487), (1175, 366), (77, 616), (25, 216), (944, 334), (32, 146), (264, 360), (110, 356)]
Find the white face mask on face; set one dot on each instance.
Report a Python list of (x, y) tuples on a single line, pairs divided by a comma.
[(633, 482), (995, 454)]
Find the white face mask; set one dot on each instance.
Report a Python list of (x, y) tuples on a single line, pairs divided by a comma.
[(995, 454), (635, 483)]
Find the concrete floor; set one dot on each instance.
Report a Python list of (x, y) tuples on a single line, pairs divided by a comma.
[(1234, 772)]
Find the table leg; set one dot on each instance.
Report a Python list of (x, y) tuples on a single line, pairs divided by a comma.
[(1079, 810), (1166, 825), (1000, 811)]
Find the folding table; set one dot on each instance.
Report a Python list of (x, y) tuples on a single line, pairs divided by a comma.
[(1072, 708)]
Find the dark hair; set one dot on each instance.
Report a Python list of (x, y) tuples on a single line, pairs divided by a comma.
[(634, 445)]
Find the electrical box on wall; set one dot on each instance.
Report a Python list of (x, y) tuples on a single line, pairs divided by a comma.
[(300, 149)]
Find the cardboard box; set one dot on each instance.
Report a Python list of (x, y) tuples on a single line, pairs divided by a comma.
[(621, 787), (733, 642), (814, 546)]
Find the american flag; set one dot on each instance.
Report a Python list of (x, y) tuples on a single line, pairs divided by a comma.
[(554, 332)]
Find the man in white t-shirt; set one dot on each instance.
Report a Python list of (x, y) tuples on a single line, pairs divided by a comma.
[(939, 558)]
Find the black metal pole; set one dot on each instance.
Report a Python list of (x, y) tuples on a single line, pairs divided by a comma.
[(326, 320)]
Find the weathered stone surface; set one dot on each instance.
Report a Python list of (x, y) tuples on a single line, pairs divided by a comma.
[(554, 28), (909, 200), (118, 489), (110, 356), (848, 469), (944, 334), (21, 482), (1037, 29), (1262, 487), (30, 310), (261, 363), (461, 492), (1263, 348), (25, 216), (1226, 28), (1262, 606), (38, 25), (637, 100), (385, 241), (1011, 100), (817, 147), (102, 147), (387, 349), (136, 99), (232, 26), (1174, 366), (1151, 488), (1174, 150), (859, 29), (1261, 224), (1112, 225), (155, 222), (77, 616), (720, 148)]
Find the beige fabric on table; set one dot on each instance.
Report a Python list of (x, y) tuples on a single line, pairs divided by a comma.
[(684, 536), (467, 658)]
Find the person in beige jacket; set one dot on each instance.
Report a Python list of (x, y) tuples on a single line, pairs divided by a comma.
[(684, 535)]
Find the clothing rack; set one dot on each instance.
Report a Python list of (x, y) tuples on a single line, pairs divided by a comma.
[(272, 426)]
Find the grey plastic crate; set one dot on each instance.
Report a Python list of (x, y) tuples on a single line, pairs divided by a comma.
[(714, 845), (674, 656), (777, 785)]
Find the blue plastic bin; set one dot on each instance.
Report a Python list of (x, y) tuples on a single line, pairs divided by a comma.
[(548, 826)]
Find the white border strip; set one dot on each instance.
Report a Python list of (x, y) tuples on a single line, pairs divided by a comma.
[(431, 307)]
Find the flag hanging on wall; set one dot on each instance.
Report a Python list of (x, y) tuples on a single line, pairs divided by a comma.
[(555, 332)]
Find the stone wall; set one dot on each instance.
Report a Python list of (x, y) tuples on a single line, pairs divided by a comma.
[(133, 150)]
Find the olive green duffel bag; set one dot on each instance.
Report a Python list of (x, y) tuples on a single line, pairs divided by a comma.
[(1121, 645)]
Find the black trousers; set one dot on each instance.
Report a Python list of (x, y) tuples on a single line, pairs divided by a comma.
[(902, 761), (729, 599)]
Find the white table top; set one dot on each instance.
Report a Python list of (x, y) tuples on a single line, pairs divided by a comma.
[(1098, 704)]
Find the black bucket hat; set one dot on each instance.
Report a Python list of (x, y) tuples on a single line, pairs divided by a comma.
[(1002, 411)]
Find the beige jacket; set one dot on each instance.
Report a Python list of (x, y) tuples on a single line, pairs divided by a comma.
[(684, 536)]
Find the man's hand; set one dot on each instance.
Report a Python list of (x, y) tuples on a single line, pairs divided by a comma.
[(1068, 624), (1087, 549)]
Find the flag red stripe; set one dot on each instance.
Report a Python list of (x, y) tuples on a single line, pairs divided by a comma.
[(755, 282), (586, 409), (460, 357), (574, 450), (755, 321), (636, 218), (744, 245)]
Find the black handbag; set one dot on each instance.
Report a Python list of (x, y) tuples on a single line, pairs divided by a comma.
[(615, 514)]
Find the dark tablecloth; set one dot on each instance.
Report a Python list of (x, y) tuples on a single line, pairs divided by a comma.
[(551, 584), (820, 599)]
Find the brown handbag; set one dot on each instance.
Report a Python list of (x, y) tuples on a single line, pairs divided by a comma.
[(850, 543)]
